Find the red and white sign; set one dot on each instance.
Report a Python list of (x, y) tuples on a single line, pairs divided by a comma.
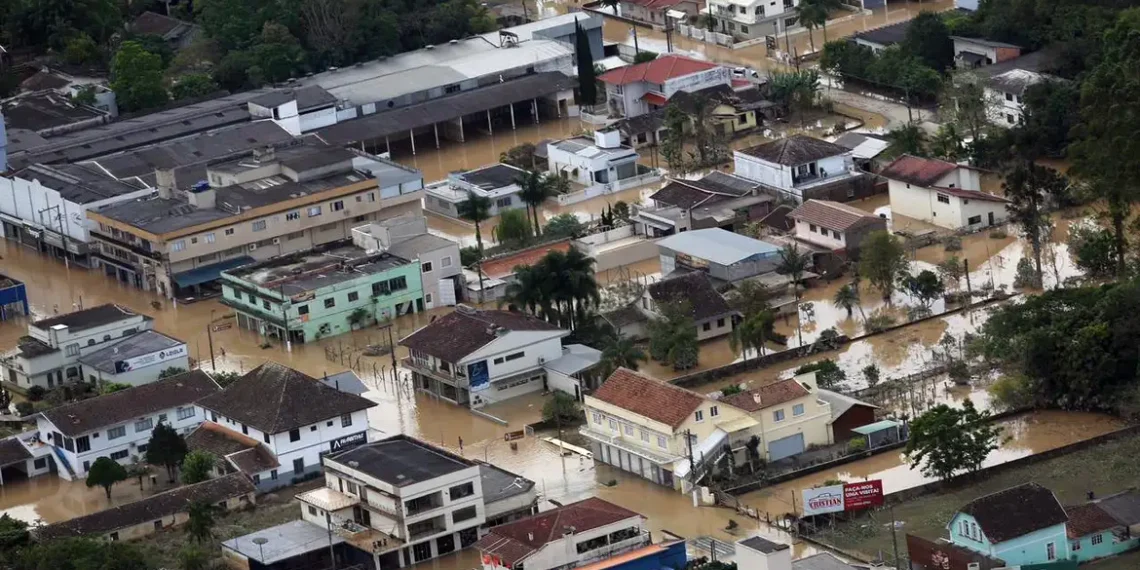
[(846, 497)]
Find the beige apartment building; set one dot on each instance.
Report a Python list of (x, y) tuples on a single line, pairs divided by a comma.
[(267, 203)]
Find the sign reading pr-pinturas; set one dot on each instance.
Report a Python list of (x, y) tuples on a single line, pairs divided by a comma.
[(846, 497)]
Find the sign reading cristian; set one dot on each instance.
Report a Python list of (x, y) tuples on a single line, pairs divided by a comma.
[(846, 497)]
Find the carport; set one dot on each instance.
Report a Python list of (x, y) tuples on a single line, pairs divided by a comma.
[(880, 433), (13, 460)]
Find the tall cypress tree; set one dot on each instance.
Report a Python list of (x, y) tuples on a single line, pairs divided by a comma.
[(587, 80)]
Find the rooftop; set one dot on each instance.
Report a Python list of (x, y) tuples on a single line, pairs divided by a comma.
[(309, 97), (242, 452), (283, 542), (764, 545), (794, 150), (863, 145), (834, 215), (693, 288), (657, 71), (455, 335), (1087, 519), (714, 187), (492, 177), (78, 418), (917, 170), (96, 316), (516, 540), (575, 358), (718, 246), (312, 269), (1016, 511), (886, 35), (656, 400), (500, 484), (111, 359), (154, 24), (983, 42), (401, 460), (774, 394), (346, 381), (274, 398), (1042, 61), (46, 110), (79, 184), (840, 403), (583, 146), (1018, 80)]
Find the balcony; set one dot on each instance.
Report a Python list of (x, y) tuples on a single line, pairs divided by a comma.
[(421, 505), (614, 548), (656, 455), (424, 367), (427, 528)]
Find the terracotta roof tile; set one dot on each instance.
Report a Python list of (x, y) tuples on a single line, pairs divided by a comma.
[(656, 71), (504, 266), (834, 215), (654, 399), (457, 334), (767, 396), (917, 170), (514, 541), (1087, 519)]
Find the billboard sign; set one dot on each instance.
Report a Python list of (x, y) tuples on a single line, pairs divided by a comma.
[(823, 500), (846, 497), (151, 359), (862, 495)]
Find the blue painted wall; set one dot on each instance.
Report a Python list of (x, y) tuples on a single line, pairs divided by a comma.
[(1099, 545), (15, 295), (673, 557), (1031, 548)]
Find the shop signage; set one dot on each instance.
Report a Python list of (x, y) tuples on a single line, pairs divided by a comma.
[(345, 442), (151, 359), (847, 497)]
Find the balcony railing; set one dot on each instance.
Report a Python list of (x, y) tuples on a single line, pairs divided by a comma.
[(614, 549)]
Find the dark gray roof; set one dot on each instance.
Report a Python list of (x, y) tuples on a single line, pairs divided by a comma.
[(465, 330), (648, 122), (626, 315), (714, 187), (309, 156), (275, 398), (308, 97), (140, 344), (445, 108), (46, 110), (23, 139), (96, 316), (161, 215), (499, 484), (1124, 507), (1017, 511), (763, 545), (984, 42), (695, 289), (852, 140), (1017, 80), (77, 183), (794, 150), (822, 561), (416, 246), (31, 347), (152, 508), (105, 411), (1041, 61), (346, 381), (12, 451), (493, 176), (401, 460), (886, 35), (725, 183)]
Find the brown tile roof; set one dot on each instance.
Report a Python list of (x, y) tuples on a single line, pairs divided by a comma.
[(657, 71), (105, 411), (834, 215), (504, 266), (795, 150), (275, 398), (1087, 519), (151, 23), (512, 542), (654, 399), (778, 219), (243, 452), (457, 334), (917, 170), (767, 396), (151, 508), (942, 555), (12, 451), (1016, 511), (695, 289)]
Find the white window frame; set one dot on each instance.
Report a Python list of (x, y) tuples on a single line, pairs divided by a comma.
[(797, 410), (699, 416), (778, 415), (116, 432)]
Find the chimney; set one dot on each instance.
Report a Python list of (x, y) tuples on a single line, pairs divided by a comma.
[(165, 179)]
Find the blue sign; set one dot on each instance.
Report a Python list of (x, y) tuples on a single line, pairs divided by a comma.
[(479, 375)]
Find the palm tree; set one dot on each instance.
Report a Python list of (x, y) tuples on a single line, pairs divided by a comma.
[(811, 14), (794, 264), (909, 139), (753, 332), (476, 209), (533, 191), (847, 298), (827, 6), (526, 290), (620, 351)]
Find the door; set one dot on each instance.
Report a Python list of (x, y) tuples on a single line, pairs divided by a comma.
[(785, 447), (991, 218)]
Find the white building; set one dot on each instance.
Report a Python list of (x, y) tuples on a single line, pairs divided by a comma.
[(296, 110), (800, 167), (407, 237), (837, 227), (942, 193), (758, 553), (48, 356), (298, 418), (475, 357), (1004, 94), (566, 537), (497, 183), (119, 425), (601, 161), (638, 89), (137, 360), (749, 19), (711, 313), (45, 207), (972, 53)]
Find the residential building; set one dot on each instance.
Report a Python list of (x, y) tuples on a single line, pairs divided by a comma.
[(23, 456), (800, 167), (835, 227), (295, 544), (136, 360), (662, 432), (718, 200), (298, 418), (656, 12), (235, 453), (575, 372), (13, 299), (866, 149), (176, 33), (883, 37), (942, 193), (316, 293), (734, 111), (266, 204), (569, 536), (757, 553), (48, 356), (725, 256), (750, 19), (45, 207), (475, 357), (1005, 94), (665, 554), (847, 413), (602, 165), (790, 414), (1020, 525), (497, 182), (119, 425), (158, 512), (972, 53), (712, 315), (943, 555), (1104, 527), (639, 89), (407, 237)]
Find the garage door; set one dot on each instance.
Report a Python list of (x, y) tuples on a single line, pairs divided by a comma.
[(785, 447)]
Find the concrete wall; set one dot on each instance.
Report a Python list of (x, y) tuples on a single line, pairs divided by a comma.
[(177, 519), (29, 200), (137, 376)]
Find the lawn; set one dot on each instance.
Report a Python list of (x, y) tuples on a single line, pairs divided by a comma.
[(1104, 469), (1130, 561)]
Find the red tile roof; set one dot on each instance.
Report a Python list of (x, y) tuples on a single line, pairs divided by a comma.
[(1087, 519), (512, 542), (654, 99), (916, 170), (656, 71), (773, 394), (654, 399), (504, 266), (655, 4), (970, 194), (833, 215)]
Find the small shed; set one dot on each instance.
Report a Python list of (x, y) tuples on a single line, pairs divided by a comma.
[(881, 433)]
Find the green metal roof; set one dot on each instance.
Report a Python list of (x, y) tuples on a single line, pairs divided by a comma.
[(877, 426)]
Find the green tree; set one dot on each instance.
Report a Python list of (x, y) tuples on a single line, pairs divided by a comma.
[(1047, 119), (1093, 249), (193, 85), (476, 209), (277, 54), (871, 374), (611, 4), (171, 371), (794, 263), (194, 557), (908, 139), (105, 472), (945, 441), (928, 38), (620, 351), (828, 374), (964, 105), (561, 407), (846, 298), (197, 466), (849, 60), (564, 226), (513, 228), (925, 287), (533, 191), (797, 91), (13, 534), (165, 447), (644, 56), (811, 15), (587, 79), (136, 78), (225, 378), (673, 336), (882, 258), (1028, 187), (202, 517), (673, 141), (753, 333), (81, 554), (81, 50), (951, 271), (948, 144), (749, 298), (520, 156), (112, 387)]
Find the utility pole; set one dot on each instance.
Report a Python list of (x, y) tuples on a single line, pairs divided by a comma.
[(894, 536), (285, 320), (210, 337), (332, 551), (62, 232), (689, 445), (636, 49)]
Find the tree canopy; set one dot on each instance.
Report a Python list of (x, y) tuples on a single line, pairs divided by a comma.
[(945, 441), (166, 447), (105, 472)]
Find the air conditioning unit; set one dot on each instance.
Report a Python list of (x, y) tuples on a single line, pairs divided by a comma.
[(276, 241), (542, 360), (252, 246)]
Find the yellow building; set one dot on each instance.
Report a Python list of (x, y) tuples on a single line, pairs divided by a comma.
[(790, 414)]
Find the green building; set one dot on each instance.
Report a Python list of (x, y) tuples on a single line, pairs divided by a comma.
[(317, 293)]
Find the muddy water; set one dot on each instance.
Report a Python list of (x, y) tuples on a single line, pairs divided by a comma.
[(1028, 434)]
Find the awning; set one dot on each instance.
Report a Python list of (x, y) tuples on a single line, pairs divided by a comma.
[(654, 99), (877, 426), (207, 273)]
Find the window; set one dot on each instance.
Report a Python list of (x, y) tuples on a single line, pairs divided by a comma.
[(613, 425), (265, 303), (1009, 118), (73, 349), (743, 28), (294, 215), (464, 514), (1051, 551), (303, 310), (629, 429), (426, 267), (294, 435), (186, 413), (427, 298), (106, 337), (120, 455), (515, 356), (974, 220), (398, 284), (661, 441), (699, 415), (1096, 539), (837, 235), (720, 323), (178, 245), (162, 418), (313, 427), (90, 342), (328, 423), (504, 202), (714, 411), (210, 237), (40, 463), (778, 415), (337, 206), (330, 303), (314, 211), (1009, 96), (1076, 545), (597, 418), (299, 465), (944, 198), (144, 425), (644, 436), (382, 288), (460, 491), (798, 410), (451, 88), (353, 296), (760, 10), (312, 511), (229, 231), (256, 478), (244, 429), (273, 475), (706, 326), (115, 432), (83, 443), (259, 225), (446, 261), (265, 437), (346, 420)]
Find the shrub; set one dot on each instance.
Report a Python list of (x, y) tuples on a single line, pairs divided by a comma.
[(953, 243), (25, 408), (857, 444), (36, 393), (731, 389)]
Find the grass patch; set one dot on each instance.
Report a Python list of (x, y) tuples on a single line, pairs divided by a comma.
[(1130, 561), (1105, 469)]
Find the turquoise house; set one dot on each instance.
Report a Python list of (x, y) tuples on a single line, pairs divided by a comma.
[(322, 292), (1026, 525)]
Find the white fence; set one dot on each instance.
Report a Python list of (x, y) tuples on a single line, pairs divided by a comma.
[(596, 190), (701, 34)]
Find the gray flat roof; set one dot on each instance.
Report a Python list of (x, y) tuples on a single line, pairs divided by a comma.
[(717, 245), (585, 147), (161, 215), (416, 246), (499, 484), (283, 541), (141, 344), (45, 110), (492, 177), (313, 269), (78, 184), (401, 460)]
